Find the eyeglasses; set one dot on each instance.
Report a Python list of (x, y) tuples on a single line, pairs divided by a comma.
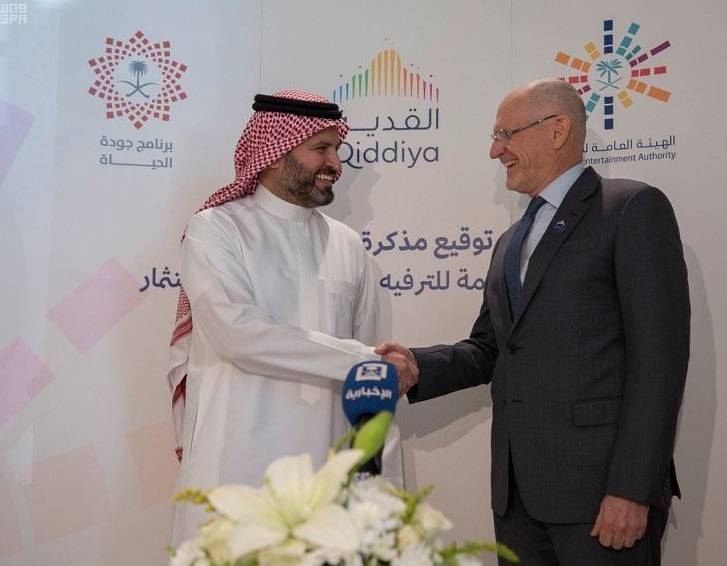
[(503, 135)]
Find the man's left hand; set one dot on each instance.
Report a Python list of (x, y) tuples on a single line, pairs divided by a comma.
[(620, 522)]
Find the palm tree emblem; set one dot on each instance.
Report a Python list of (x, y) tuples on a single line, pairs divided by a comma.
[(138, 69), (609, 69)]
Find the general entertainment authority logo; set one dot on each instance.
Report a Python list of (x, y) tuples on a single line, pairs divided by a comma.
[(392, 109), (616, 71), (137, 79), (12, 13)]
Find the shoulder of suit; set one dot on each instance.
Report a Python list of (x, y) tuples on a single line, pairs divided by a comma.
[(636, 200), (626, 189)]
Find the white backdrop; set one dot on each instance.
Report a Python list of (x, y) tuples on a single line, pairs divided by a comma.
[(92, 207)]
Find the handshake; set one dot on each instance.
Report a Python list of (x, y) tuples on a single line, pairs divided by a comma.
[(403, 359)]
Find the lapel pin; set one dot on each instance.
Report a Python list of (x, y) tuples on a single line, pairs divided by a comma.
[(559, 226)]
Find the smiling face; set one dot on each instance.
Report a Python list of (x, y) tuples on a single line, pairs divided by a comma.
[(305, 176), (540, 130), (529, 155)]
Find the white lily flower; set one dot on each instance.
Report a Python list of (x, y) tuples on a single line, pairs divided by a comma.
[(213, 536), (302, 518), (293, 501), (189, 553), (414, 555), (407, 536), (289, 553), (431, 520), (330, 526), (256, 522)]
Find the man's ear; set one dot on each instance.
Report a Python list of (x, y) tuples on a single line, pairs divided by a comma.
[(271, 173), (276, 165), (561, 131)]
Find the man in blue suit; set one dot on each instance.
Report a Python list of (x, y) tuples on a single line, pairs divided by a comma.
[(584, 335)]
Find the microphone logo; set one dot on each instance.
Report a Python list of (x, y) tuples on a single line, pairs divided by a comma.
[(374, 371)]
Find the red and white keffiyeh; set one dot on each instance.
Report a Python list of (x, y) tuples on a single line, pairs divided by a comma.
[(267, 137)]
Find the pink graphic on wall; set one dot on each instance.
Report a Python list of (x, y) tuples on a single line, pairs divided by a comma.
[(22, 376), (9, 527), (68, 494), (14, 126), (156, 466), (89, 312)]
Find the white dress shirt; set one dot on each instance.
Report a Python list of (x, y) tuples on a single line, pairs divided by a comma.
[(553, 195)]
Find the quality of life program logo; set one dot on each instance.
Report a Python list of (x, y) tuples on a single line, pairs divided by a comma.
[(392, 111), (137, 79), (618, 70)]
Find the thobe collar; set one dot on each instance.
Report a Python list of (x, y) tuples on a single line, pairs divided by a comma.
[(279, 207)]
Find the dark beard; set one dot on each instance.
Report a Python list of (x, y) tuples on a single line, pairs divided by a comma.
[(300, 185)]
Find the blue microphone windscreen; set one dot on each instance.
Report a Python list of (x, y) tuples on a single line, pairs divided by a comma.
[(370, 387)]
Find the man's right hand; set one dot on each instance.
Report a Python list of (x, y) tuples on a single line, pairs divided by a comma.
[(404, 361)]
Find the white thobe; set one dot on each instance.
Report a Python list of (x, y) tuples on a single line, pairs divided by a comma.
[(283, 304)]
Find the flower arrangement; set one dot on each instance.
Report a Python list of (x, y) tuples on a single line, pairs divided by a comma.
[(332, 517)]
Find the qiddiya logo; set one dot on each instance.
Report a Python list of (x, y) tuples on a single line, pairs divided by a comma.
[(393, 112)]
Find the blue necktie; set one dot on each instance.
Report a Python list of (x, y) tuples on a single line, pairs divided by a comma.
[(512, 254)]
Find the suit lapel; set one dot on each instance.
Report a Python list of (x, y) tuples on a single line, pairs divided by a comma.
[(498, 291), (571, 210)]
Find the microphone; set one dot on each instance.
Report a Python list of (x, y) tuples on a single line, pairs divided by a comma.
[(371, 388)]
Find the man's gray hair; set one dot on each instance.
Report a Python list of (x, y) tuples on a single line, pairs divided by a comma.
[(558, 96)]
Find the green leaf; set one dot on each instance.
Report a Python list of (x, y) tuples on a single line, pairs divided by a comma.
[(372, 435), (449, 553)]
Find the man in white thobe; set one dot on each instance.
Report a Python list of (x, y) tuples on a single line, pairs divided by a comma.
[(284, 303)]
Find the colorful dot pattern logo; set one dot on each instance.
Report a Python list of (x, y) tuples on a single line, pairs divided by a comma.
[(616, 72), (137, 79)]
